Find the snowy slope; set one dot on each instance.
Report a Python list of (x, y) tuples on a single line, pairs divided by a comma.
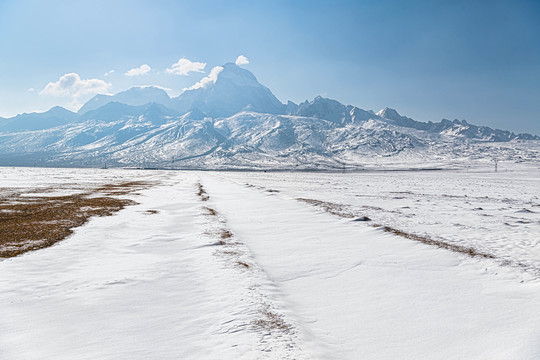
[(153, 135)]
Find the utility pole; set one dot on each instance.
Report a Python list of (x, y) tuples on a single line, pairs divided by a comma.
[(496, 162)]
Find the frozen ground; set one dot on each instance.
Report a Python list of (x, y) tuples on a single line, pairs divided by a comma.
[(223, 268)]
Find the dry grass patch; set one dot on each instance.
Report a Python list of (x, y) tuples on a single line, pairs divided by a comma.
[(202, 193), (210, 211), (271, 321), (242, 264), (441, 244), (332, 208), (230, 253), (31, 223), (225, 234), (123, 188)]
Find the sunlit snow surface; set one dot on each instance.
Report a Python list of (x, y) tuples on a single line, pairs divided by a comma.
[(141, 285), (496, 213)]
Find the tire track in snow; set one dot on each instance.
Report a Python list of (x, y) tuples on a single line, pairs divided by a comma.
[(262, 315)]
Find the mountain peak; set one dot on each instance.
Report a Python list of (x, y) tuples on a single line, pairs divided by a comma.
[(143, 92), (135, 96), (59, 111), (322, 100), (323, 108), (55, 116), (238, 75), (389, 113), (226, 92)]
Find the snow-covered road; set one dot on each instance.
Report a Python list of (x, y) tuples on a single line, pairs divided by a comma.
[(283, 280)]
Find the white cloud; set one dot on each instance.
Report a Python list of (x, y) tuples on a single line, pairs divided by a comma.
[(141, 70), (31, 90), (185, 66), (72, 85), (108, 73), (207, 80), (241, 60)]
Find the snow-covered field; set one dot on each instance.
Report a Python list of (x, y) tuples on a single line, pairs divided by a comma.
[(232, 265), (495, 213)]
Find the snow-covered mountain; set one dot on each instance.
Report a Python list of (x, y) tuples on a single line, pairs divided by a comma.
[(458, 128), (331, 110), (229, 89), (56, 116), (230, 120), (135, 96)]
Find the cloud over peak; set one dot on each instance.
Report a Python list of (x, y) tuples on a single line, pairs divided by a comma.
[(185, 66), (241, 60), (141, 70), (207, 80)]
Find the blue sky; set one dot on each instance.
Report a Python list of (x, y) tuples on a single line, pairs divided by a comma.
[(473, 60)]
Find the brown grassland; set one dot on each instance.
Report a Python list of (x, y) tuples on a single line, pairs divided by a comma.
[(34, 222)]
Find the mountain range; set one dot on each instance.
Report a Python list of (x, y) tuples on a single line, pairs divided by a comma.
[(230, 121)]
